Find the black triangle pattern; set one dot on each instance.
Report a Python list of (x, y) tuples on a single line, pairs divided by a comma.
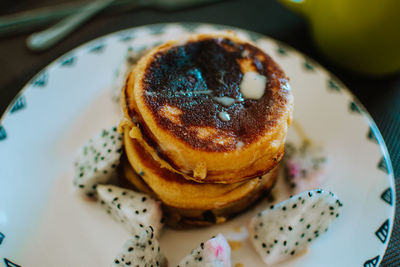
[(68, 61), (97, 48), (281, 50), (157, 29), (308, 66), (3, 134), (371, 135), (354, 107), (333, 86), (2, 236), (19, 104), (383, 232), (126, 37), (387, 196), (10, 263), (254, 36), (41, 80), (372, 262), (190, 27), (382, 165)]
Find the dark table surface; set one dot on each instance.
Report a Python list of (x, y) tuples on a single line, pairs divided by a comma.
[(380, 96)]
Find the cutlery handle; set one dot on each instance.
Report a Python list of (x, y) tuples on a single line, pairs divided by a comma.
[(47, 38)]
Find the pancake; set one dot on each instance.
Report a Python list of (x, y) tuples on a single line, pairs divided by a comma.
[(187, 202), (194, 107)]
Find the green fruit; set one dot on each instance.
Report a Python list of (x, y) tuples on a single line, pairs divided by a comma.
[(359, 35)]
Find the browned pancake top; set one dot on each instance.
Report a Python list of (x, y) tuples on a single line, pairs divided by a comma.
[(181, 83)]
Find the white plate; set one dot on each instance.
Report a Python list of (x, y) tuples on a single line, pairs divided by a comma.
[(42, 223)]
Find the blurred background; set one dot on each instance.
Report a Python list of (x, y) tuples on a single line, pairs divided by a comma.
[(320, 34)]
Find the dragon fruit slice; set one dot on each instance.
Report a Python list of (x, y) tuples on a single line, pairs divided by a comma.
[(289, 227), (305, 166), (213, 253), (142, 249), (97, 160), (132, 209)]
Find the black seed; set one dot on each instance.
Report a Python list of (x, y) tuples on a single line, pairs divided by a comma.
[(264, 245), (301, 219), (309, 240), (130, 249), (202, 245), (292, 253), (297, 243), (90, 194), (308, 226), (332, 213), (259, 214), (302, 202), (81, 186), (113, 166), (112, 136), (141, 173), (109, 151), (313, 206), (200, 259), (302, 235), (118, 206), (105, 171), (102, 202), (331, 208), (136, 211), (102, 158), (268, 252), (309, 194), (115, 199), (283, 208), (284, 243), (319, 191), (144, 199), (290, 228), (141, 225), (81, 174), (150, 242), (294, 206), (271, 207), (123, 193), (105, 144), (116, 261), (136, 236), (128, 263), (337, 215), (261, 224), (281, 228), (144, 210), (275, 241), (255, 236), (293, 185), (114, 129)]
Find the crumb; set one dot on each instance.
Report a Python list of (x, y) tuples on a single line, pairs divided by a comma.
[(235, 245), (237, 229), (239, 265)]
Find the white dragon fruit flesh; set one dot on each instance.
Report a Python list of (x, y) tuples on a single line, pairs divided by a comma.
[(215, 252), (97, 161), (133, 209), (142, 249), (305, 166), (288, 228)]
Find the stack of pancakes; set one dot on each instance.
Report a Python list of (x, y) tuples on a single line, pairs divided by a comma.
[(205, 122)]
